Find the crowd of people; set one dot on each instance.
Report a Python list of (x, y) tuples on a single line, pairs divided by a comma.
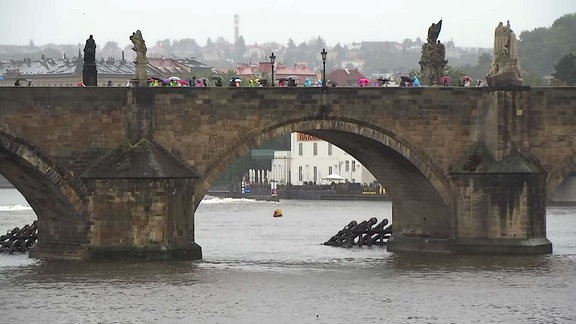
[(217, 81)]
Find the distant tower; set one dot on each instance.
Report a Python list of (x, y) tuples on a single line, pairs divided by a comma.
[(236, 27)]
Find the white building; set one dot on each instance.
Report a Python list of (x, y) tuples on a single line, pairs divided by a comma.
[(310, 159)]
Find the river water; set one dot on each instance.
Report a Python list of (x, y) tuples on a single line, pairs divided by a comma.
[(260, 269)]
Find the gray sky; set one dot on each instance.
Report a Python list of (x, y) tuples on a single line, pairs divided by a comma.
[(469, 23)]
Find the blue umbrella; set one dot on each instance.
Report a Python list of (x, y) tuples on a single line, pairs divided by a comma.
[(1, 77)]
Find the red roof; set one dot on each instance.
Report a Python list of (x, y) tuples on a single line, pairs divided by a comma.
[(299, 72), (345, 77)]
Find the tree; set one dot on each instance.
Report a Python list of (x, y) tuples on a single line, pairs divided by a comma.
[(110, 49), (239, 49), (540, 48), (566, 69)]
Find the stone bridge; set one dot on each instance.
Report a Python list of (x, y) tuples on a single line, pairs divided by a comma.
[(120, 171)]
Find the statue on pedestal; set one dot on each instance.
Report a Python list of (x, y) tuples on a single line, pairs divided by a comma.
[(504, 70), (89, 71), (139, 45), (433, 60), (90, 50), (141, 61)]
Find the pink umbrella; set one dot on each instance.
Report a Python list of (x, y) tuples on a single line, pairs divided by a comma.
[(445, 79), (364, 81)]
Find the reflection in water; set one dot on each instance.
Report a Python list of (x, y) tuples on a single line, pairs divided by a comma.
[(260, 269)]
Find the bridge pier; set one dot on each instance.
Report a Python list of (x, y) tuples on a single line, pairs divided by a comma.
[(142, 205), (501, 213)]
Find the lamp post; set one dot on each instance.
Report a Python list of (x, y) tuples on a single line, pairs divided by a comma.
[(323, 53), (272, 58)]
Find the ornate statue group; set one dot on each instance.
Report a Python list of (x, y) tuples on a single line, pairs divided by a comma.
[(505, 70), (433, 59)]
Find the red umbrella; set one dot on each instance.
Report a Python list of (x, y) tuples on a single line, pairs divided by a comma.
[(445, 79), (467, 78)]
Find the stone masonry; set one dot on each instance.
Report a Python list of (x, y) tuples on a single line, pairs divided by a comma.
[(119, 172)]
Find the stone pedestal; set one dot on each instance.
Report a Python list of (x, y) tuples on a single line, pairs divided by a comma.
[(142, 72), (90, 74), (432, 63)]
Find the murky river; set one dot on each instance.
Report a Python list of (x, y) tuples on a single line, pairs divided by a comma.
[(260, 269)]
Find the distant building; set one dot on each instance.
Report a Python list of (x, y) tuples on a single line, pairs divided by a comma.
[(311, 159), (345, 77), (49, 72), (298, 72)]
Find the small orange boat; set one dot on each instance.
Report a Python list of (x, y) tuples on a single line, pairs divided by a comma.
[(278, 213)]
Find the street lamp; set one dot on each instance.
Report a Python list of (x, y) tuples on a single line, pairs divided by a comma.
[(272, 58), (323, 53)]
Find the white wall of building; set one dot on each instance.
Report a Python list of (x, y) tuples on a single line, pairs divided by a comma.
[(311, 159)]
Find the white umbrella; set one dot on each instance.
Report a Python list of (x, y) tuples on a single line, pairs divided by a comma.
[(333, 177)]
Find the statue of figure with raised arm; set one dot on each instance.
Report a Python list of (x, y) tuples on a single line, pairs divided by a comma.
[(434, 32), (504, 70)]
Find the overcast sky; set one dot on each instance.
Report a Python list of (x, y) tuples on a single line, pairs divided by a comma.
[(469, 23)]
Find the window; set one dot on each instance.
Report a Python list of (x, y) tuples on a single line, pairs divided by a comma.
[(329, 170), (300, 149), (315, 149), (299, 173), (329, 148), (353, 166), (347, 168), (315, 174)]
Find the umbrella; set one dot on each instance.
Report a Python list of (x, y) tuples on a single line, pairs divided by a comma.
[(364, 81), (1, 77), (445, 79), (333, 177), (183, 82), (217, 77), (174, 78), (467, 78), (235, 79), (406, 79)]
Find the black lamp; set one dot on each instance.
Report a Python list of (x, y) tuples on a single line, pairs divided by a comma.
[(323, 53), (272, 58)]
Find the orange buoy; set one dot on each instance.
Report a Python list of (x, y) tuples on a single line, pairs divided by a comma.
[(278, 213)]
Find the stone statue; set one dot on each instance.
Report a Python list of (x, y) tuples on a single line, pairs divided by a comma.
[(89, 69), (504, 70), (90, 50), (139, 44), (434, 32), (141, 61), (433, 59)]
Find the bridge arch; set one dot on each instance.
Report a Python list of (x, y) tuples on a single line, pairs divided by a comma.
[(558, 174), (55, 195), (419, 191)]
